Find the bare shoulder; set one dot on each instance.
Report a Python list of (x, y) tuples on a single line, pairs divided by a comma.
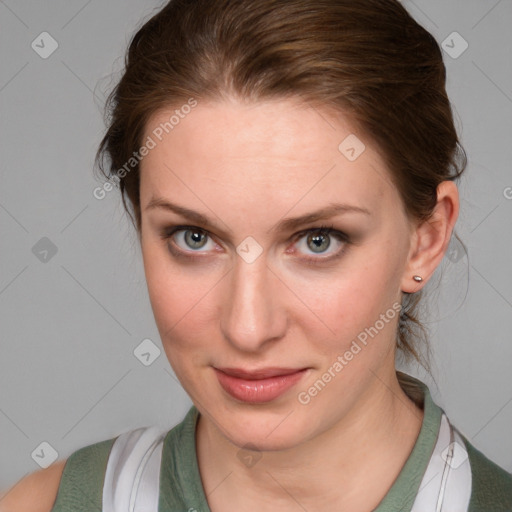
[(35, 492)]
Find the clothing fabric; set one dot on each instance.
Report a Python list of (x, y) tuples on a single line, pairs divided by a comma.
[(132, 475), (149, 469)]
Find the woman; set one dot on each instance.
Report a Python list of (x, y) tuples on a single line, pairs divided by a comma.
[(276, 159)]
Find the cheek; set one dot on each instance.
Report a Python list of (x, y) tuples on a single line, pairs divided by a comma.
[(182, 299), (363, 314), (341, 303), (361, 302)]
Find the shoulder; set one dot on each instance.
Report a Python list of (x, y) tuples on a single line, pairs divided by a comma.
[(35, 492), (73, 484), (491, 484), (81, 485)]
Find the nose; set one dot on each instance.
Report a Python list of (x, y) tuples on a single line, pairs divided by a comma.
[(254, 316)]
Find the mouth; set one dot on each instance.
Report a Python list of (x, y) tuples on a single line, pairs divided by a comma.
[(258, 386)]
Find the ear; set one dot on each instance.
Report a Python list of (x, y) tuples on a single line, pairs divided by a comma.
[(430, 238)]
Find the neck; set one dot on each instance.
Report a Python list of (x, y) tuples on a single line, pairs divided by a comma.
[(352, 465)]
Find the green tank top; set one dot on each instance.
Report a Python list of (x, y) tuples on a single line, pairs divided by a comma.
[(81, 485)]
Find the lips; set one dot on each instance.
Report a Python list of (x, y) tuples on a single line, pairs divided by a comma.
[(263, 373), (259, 385)]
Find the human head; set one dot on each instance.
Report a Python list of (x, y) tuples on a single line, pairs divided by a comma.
[(368, 60)]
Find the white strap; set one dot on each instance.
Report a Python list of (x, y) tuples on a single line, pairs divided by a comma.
[(132, 477), (446, 484)]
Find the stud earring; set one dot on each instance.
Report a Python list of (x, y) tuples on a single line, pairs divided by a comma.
[(418, 279)]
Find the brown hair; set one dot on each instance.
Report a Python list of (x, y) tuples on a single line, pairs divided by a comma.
[(368, 59)]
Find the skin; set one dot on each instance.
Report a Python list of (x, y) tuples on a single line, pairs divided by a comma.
[(246, 167), (34, 493)]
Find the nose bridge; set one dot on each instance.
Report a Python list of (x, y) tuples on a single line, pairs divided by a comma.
[(253, 316)]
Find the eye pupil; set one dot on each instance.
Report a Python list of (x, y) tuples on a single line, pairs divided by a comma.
[(321, 242), (193, 239)]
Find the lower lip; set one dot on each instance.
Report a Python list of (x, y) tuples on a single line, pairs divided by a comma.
[(260, 390)]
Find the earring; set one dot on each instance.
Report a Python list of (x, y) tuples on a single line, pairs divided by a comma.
[(418, 279)]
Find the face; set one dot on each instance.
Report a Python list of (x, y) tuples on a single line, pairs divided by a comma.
[(266, 318)]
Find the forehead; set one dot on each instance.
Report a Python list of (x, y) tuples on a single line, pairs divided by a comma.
[(276, 151), (263, 130)]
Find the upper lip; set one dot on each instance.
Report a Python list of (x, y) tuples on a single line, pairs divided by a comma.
[(261, 373)]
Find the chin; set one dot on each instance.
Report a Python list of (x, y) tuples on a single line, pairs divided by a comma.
[(262, 427), (260, 440)]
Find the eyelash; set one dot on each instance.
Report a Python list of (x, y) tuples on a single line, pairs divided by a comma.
[(167, 234)]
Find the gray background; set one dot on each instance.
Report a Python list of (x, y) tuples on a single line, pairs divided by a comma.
[(70, 324)]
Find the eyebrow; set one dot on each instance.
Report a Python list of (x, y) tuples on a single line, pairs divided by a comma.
[(286, 224)]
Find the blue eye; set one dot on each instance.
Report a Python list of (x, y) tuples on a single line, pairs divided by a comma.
[(184, 240), (191, 238), (319, 240)]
